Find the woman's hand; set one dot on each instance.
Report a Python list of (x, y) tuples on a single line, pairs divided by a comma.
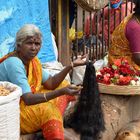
[(80, 61), (71, 90)]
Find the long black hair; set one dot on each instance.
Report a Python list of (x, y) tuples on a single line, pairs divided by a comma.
[(87, 118)]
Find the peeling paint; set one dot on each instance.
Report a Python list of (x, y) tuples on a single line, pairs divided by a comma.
[(16, 13)]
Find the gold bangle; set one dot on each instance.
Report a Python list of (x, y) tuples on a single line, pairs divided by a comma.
[(45, 97)]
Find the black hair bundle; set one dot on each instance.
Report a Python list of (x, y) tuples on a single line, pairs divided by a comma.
[(87, 117)]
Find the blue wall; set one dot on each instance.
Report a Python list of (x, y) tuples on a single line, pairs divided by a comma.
[(16, 13)]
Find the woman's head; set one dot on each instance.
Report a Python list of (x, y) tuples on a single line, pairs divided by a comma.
[(28, 42), (28, 30)]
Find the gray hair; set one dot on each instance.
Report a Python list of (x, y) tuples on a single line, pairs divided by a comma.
[(28, 30)]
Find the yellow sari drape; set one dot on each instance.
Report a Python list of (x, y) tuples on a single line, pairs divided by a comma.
[(120, 45), (47, 116)]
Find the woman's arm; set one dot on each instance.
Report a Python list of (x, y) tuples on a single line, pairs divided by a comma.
[(31, 99), (54, 81), (16, 74), (133, 36)]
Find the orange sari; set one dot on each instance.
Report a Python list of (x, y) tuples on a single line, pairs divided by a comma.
[(46, 116), (120, 45)]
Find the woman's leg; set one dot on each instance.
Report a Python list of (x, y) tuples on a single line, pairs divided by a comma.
[(45, 116)]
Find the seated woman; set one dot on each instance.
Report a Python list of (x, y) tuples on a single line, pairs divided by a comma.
[(125, 43), (125, 39), (44, 98)]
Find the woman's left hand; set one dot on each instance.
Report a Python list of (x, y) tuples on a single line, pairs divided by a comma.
[(80, 61)]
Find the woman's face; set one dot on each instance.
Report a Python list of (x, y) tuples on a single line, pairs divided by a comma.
[(30, 47)]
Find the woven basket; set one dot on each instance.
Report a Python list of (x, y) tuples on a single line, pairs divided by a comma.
[(92, 5), (119, 90)]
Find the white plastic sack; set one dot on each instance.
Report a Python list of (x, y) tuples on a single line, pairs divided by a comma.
[(106, 60), (78, 72), (99, 64), (54, 46), (54, 67), (10, 113), (78, 75)]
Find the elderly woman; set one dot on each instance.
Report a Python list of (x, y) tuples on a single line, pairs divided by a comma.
[(44, 98)]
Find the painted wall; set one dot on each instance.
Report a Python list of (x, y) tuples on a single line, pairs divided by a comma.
[(16, 13)]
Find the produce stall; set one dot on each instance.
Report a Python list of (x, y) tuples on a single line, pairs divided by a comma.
[(119, 87)]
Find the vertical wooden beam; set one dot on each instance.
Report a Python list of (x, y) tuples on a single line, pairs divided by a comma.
[(59, 29), (63, 32), (53, 7)]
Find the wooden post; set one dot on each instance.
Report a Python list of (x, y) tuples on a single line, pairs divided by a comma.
[(63, 32)]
